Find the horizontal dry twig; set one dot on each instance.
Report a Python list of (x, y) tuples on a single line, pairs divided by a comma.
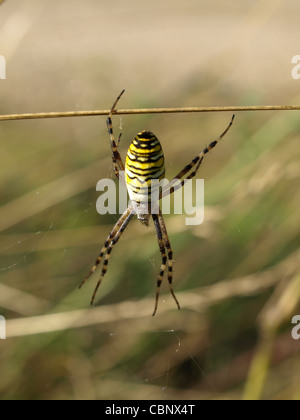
[(67, 114)]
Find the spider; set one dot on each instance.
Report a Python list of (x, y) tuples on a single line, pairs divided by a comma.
[(145, 162)]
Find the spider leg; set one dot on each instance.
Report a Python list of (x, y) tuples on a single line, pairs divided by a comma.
[(164, 244), (170, 188), (116, 101), (129, 215), (116, 158), (164, 259), (109, 239), (170, 256)]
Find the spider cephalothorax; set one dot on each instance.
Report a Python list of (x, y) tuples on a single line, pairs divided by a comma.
[(145, 164)]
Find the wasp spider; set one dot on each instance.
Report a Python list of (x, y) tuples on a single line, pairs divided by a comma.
[(145, 162)]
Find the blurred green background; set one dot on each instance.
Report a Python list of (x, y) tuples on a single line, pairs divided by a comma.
[(236, 276)]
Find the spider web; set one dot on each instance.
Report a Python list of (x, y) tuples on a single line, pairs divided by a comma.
[(37, 324), (152, 355), (225, 271)]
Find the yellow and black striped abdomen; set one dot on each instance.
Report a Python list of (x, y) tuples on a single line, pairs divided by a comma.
[(144, 162)]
